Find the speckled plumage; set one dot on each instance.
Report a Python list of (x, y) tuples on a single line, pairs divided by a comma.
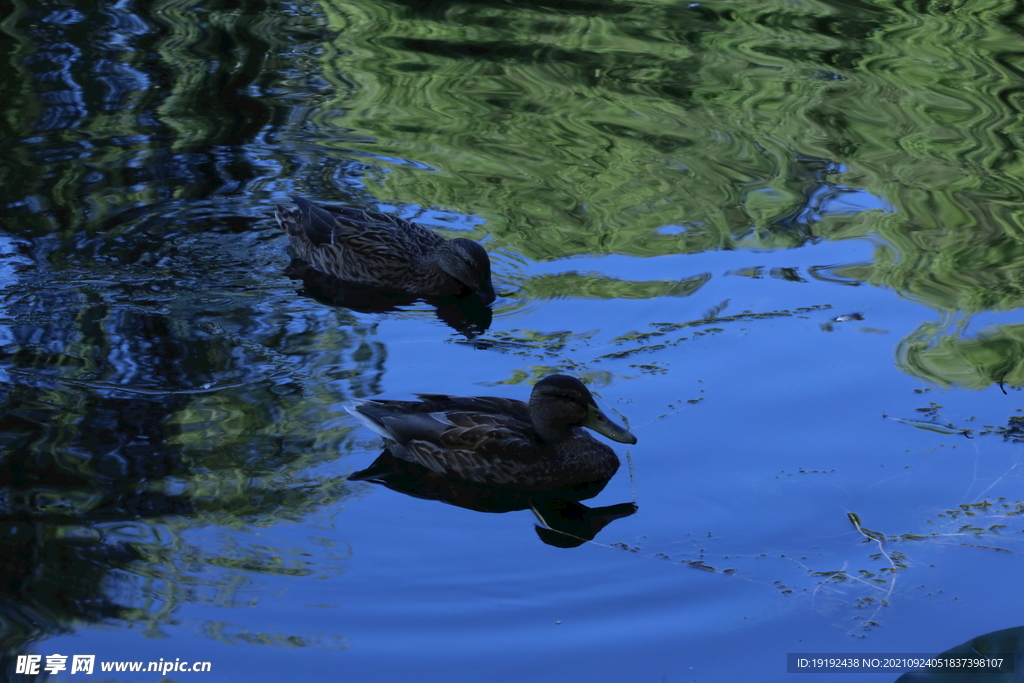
[(384, 251), (538, 445)]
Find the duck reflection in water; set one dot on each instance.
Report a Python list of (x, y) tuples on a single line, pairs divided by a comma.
[(467, 315), (497, 455)]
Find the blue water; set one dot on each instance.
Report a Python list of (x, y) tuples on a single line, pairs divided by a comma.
[(173, 439), (757, 477)]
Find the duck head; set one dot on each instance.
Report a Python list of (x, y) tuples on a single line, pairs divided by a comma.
[(467, 262), (560, 402)]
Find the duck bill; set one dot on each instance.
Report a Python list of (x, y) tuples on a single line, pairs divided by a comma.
[(486, 294), (600, 423)]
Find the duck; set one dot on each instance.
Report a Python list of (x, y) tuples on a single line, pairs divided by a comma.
[(539, 446), (378, 250)]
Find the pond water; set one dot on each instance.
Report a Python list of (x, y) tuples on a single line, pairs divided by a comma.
[(782, 241)]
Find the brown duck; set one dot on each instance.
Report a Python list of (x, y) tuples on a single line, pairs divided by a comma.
[(383, 251), (539, 446)]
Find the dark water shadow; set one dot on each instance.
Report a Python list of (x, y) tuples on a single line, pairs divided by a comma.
[(567, 522), (1007, 643), (58, 506), (88, 482), (468, 315)]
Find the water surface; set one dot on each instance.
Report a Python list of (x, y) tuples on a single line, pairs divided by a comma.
[(684, 204)]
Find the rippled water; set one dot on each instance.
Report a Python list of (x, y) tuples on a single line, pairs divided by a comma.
[(755, 230)]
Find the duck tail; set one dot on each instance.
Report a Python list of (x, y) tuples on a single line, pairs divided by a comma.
[(287, 218), (353, 408)]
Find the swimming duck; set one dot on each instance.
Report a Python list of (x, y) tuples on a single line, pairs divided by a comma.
[(384, 251), (538, 446)]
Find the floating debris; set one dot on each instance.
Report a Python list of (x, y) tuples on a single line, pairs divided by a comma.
[(934, 426), (867, 533)]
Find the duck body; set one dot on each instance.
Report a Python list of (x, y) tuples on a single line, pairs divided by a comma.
[(539, 446), (378, 250)]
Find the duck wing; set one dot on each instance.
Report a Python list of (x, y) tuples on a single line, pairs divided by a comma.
[(484, 439), (364, 231)]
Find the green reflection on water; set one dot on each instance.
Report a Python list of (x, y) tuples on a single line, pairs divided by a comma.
[(632, 128), (585, 129)]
